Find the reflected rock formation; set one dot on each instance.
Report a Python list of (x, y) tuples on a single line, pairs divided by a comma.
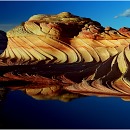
[(65, 56)]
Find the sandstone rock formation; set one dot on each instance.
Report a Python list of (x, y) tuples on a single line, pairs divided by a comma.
[(76, 54)]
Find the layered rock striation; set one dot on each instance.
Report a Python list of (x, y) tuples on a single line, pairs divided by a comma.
[(77, 54)]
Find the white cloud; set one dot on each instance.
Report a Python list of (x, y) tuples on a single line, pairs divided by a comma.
[(116, 17), (6, 27), (126, 13)]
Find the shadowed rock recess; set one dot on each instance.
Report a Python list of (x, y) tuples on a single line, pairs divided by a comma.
[(64, 57)]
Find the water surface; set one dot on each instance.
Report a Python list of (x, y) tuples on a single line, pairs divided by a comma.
[(19, 110)]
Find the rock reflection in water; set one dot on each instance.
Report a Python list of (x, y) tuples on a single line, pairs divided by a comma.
[(48, 93), (65, 56)]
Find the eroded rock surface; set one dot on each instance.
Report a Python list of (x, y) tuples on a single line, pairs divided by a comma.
[(75, 54)]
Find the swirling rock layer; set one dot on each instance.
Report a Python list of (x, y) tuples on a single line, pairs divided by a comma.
[(77, 54)]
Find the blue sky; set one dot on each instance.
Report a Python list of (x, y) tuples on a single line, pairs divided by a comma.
[(14, 12)]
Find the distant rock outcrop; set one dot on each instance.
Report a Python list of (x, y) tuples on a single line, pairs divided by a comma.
[(3, 41)]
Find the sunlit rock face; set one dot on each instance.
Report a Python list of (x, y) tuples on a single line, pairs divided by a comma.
[(76, 54)]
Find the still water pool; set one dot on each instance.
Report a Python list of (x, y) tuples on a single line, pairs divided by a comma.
[(19, 110)]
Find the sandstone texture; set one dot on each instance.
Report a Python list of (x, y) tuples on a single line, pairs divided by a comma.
[(54, 54)]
